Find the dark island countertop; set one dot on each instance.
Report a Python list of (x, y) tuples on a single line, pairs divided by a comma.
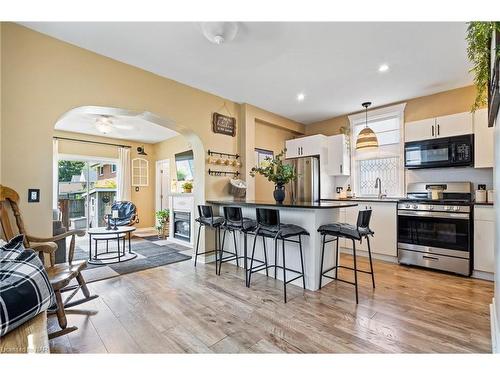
[(364, 199), (309, 205)]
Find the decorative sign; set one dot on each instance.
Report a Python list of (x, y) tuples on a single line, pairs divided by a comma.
[(224, 124)]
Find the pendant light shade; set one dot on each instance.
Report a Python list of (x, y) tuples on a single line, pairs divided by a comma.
[(367, 139)]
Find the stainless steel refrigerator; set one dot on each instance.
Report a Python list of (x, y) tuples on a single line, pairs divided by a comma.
[(306, 187)]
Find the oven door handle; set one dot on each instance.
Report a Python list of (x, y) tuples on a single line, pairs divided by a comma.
[(441, 215)]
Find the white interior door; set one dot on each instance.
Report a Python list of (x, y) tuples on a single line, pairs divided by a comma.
[(162, 184)]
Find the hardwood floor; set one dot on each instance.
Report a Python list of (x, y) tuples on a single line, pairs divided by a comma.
[(177, 309)]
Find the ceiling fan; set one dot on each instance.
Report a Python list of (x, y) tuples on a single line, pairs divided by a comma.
[(105, 124)]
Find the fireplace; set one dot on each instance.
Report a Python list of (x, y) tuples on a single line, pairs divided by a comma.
[(182, 225)]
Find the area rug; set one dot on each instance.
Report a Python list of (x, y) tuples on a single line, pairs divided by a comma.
[(149, 255)]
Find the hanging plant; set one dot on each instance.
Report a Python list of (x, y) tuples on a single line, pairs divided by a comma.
[(478, 51)]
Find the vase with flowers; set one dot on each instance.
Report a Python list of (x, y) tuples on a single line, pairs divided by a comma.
[(276, 172)]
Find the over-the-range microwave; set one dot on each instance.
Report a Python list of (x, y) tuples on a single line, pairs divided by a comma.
[(440, 152)]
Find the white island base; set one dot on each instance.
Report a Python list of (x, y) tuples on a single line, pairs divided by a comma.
[(310, 216)]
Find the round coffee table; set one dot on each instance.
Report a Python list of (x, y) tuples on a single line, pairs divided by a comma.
[(110, 257)]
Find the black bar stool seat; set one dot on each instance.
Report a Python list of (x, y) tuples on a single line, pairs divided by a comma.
[(210, 221), (351, 232), (345, 230), (269, 226), (207, 219), (235, 222)]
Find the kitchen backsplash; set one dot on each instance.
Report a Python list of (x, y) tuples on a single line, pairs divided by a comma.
[(476, 176)]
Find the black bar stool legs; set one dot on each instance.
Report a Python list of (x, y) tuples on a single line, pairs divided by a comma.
[(371, 264), (350, 232), (208, 220), (197, 245), (269, 226), (355, 270)]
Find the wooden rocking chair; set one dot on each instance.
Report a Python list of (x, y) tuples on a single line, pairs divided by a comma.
[(60, 275)]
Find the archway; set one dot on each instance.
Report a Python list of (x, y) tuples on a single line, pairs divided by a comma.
[(193, 140)]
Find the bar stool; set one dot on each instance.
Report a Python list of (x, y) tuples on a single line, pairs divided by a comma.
[(207, 219), (353, 233), (235, 222), (269, 226)]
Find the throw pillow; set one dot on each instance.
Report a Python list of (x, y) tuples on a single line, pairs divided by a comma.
[(25, 290)]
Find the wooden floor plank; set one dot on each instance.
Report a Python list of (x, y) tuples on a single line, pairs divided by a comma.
[(181, 309)]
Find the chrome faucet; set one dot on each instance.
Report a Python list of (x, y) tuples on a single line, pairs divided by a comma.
[(378, 184)]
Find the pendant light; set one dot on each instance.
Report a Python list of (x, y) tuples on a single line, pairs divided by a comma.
[(367, 139)]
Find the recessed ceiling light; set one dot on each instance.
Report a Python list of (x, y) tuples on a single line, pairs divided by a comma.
[(301, 97), (383, 68)]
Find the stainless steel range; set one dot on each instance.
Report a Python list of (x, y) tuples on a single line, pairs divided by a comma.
[(437, 233)]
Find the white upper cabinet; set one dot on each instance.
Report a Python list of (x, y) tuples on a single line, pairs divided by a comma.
[(420, 130), (484, 148), (439, 127), (293, 148), (306, 146), (453, 125), (339, 156)]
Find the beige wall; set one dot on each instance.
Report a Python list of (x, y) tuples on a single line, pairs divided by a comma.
[(250, 116), (144, 198), (167, 150), (440, 104), (272, 138), (43, 78)]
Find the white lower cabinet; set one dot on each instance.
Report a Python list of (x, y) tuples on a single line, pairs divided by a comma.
[(484, 238), (383, 222)]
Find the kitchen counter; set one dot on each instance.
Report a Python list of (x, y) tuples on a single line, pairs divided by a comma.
[(307, 205), (361, 199), (310, 216)]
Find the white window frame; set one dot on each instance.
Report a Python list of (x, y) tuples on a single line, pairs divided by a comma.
[(375, 115), (140, 171)]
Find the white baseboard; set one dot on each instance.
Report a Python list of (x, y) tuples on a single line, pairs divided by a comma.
[(495, 328), (483, 275)]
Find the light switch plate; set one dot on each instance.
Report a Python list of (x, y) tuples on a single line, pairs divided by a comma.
[(33, 195)]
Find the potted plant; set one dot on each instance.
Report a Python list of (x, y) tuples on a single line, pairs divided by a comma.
[(478, 50), (278, 173), (187, 186), (162, 217)]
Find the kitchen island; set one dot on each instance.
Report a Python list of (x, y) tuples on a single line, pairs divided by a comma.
[(310, 216)]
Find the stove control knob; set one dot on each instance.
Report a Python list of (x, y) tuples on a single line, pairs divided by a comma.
[(407, 205), (431, 207), (456, 208), (446, 208), (415, 206)]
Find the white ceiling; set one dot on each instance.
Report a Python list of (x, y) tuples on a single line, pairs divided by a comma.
[(129, 127), (335, 64)]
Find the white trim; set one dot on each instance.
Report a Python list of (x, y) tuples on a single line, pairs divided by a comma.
[(76, 157), (396, 110), (490, 276), (495, 328), (157, 184)]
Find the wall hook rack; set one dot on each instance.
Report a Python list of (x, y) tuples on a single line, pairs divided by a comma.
[(211, 172), (210, 153)]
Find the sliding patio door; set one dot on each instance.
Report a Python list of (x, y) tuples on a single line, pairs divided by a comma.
[(86, 191)]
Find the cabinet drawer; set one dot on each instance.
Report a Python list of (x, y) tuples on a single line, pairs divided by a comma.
[(485, 213)]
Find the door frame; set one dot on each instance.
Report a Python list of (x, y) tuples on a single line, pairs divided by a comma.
[(158, 183)]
